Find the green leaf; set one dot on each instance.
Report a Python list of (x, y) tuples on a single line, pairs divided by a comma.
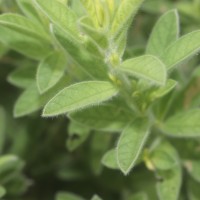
[(193, 191), (99, 117), (67, 196), (147, 67), (80, 56), (138, 196), (79, 96), (184, 124), (164, 157), (125, 13), (182, 49), (31, 100), (31, 11), (97, 150), (50, 71), (9, 162), (2, 191), (24, 36), (97, 36), (59, 14), (77, 134), (22, 77), (109, 159), (91, 8), (193, 167), (96, 197), (24, 26), (130, 144), (164, 33), (2, 127), (170, 184), (164, 90)]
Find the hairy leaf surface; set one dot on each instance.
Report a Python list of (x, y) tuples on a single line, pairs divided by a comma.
[(147, 67), (182, 49), (78, 96), (164, 33), (50, 71), (130, 144), (184, 124)]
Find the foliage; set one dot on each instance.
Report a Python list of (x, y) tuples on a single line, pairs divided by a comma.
[(103, 90)]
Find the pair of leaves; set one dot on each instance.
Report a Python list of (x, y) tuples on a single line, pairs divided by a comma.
[(165, 44), (24, 36), (129, 147)]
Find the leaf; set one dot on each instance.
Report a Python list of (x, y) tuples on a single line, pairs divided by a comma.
[(77, 134), (2, 127), (97, 36), (92, 10), (9, 162), (99, 117), (79, 96), (31, 100), (67, 196), (2, 191), (164, 33), (22, 77), (130, 144), (80, 56), (50, 71), (125, 13), (147, 67), (193, 191), (164, 157), (24, 36), (23, 25), (96, 197), (97, 150), (193, 167), (164, 90), (170, 184), (184, 124), (59, 14), (182, 49), (139, 196), (109, 159), (31, 11)]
